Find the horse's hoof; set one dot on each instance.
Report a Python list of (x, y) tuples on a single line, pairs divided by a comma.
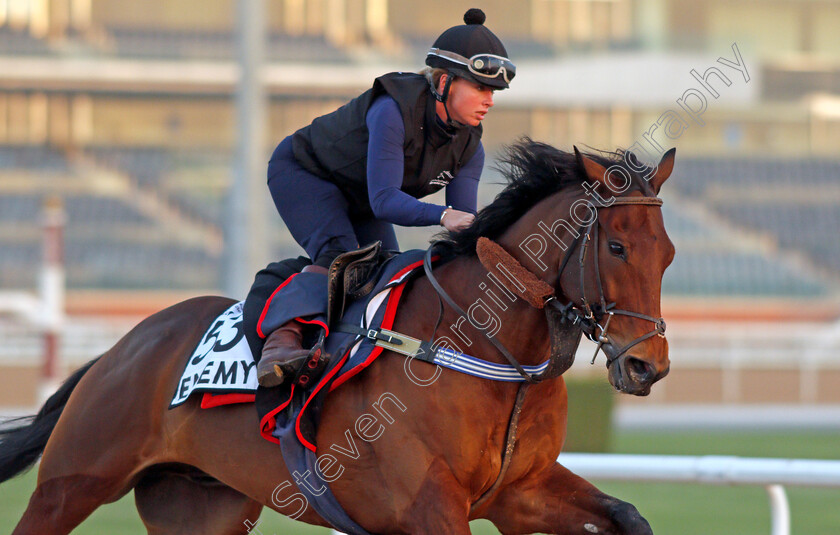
[(628, 518)]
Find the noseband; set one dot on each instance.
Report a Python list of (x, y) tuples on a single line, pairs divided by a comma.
[(588, 318)]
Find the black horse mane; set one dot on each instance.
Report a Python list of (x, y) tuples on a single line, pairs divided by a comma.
[(532, 171)]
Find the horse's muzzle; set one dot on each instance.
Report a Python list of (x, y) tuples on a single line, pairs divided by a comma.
[(633, 375)]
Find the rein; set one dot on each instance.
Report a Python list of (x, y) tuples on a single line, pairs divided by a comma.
[(427, 267)]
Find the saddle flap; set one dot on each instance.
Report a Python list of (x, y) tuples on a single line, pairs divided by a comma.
[(352, 276)]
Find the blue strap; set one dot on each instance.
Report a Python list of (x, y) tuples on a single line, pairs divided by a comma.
[(477, 367), (442, 356)]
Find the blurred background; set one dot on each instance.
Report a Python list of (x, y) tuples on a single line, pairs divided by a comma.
[(140, 133)]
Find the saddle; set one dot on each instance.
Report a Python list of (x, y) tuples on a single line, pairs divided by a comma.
[(353, 275)]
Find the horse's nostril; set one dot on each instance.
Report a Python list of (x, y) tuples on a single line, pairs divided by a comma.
[(640, 369)]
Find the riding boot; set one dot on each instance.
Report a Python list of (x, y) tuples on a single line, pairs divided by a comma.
[(283, 353)]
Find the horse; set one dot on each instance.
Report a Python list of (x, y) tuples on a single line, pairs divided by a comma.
[(428, 455)]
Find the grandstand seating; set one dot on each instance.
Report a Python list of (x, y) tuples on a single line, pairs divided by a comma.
[(21, 42), (90, 210), (20, 209), (144, 164), (18, 263), (39, 157), (149, 167), (795, 225), (139, 42), (733, 241), (93, 262), (724, 273), (518, 49), (109, 241), (698, 175), (795, 202), (206, 209), (710, 261), (81, 210), (112, 263), (146, 43), (161, 44)]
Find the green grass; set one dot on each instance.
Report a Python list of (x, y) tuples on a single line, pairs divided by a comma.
[(682, 509), (689, 509)]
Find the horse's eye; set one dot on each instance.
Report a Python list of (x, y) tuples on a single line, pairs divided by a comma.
[(617, 249)]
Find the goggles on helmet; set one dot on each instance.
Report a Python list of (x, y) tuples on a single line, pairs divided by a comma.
[(486, 65)]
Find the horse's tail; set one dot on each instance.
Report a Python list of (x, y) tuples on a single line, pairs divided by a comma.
[(22, 440)]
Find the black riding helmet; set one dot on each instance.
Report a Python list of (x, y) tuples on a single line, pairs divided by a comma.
[(473, 52)]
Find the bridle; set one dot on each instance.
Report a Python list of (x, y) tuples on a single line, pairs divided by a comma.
[(588, 318), (591, 316)]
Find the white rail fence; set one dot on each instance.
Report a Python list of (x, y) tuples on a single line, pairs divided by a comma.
[(773, 474), (46, 309)]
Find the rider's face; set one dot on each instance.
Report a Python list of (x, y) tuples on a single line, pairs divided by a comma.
[(468, 102)]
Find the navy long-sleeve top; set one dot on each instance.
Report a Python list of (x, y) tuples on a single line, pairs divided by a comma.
[(385, 160)]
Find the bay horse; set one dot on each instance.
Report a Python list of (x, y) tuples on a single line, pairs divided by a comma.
[(439, 447)]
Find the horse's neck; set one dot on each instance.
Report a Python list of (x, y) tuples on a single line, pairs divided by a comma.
[(543, 229), (493, 311), (523, 329), (534, 240)]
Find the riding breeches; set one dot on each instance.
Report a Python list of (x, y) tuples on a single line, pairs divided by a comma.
[(317, 213)]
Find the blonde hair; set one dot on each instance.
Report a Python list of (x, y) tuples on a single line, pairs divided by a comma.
[(433, 75)]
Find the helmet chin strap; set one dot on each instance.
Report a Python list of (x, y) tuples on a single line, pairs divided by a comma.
[(443, 96)]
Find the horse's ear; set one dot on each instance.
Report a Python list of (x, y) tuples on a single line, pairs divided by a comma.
[(632, 160), (594, 171), (663, 170)]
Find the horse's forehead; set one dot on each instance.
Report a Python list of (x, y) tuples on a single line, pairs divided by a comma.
[(641, 220), (567, 202)]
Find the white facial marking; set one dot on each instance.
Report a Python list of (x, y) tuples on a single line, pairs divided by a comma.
[(591, 528)]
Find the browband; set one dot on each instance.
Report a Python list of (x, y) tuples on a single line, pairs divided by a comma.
[(618, 201)]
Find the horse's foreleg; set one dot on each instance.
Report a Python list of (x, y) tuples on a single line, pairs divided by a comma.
[(558, 501)]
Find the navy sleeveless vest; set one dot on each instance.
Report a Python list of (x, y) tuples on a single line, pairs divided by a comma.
[(334, 146)]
